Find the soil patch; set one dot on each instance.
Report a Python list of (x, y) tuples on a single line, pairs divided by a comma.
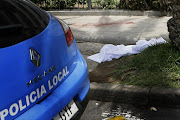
[(105, 71)]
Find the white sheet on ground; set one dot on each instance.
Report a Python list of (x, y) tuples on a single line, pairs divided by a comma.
[(109, 51)]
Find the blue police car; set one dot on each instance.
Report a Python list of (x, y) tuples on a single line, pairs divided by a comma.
[(43, 76)]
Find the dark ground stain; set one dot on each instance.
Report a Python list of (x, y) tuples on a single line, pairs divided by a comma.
[(103, 24)]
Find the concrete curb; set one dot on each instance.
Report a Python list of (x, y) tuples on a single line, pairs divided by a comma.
[(135, 95), (109, 12), (105, 39)]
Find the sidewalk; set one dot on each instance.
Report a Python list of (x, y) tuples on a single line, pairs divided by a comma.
[(95, 12), (121, 30), (117, 29)]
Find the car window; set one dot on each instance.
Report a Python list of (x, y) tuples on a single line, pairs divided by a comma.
[(19, 21)]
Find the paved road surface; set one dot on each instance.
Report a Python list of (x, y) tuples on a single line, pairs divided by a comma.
[(97, 110)]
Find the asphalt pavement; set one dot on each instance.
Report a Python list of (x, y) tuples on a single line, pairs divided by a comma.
[(97, 110), (117, 29)]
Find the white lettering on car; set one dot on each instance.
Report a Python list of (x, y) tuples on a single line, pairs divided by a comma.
[(61, 75), (38, 95), (34, 95), (3, 114), (21, 106), (43, 90), (49, 84), (14, 109), (55, 80), (27, 100)]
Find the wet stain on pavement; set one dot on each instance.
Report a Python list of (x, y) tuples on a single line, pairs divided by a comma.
[(102, 24)]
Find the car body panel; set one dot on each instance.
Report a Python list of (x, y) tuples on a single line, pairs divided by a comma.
[(17, 70), (75, 86)]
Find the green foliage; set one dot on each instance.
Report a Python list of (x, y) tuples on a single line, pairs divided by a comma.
[(107, 4), (161, 5), (56, 4), (156, 66), (133, 4), (70, 2)]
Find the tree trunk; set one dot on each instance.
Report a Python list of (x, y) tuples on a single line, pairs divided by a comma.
[(174, 23)]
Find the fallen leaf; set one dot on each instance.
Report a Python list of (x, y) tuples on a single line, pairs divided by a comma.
[(117, 118), (153, 109)]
